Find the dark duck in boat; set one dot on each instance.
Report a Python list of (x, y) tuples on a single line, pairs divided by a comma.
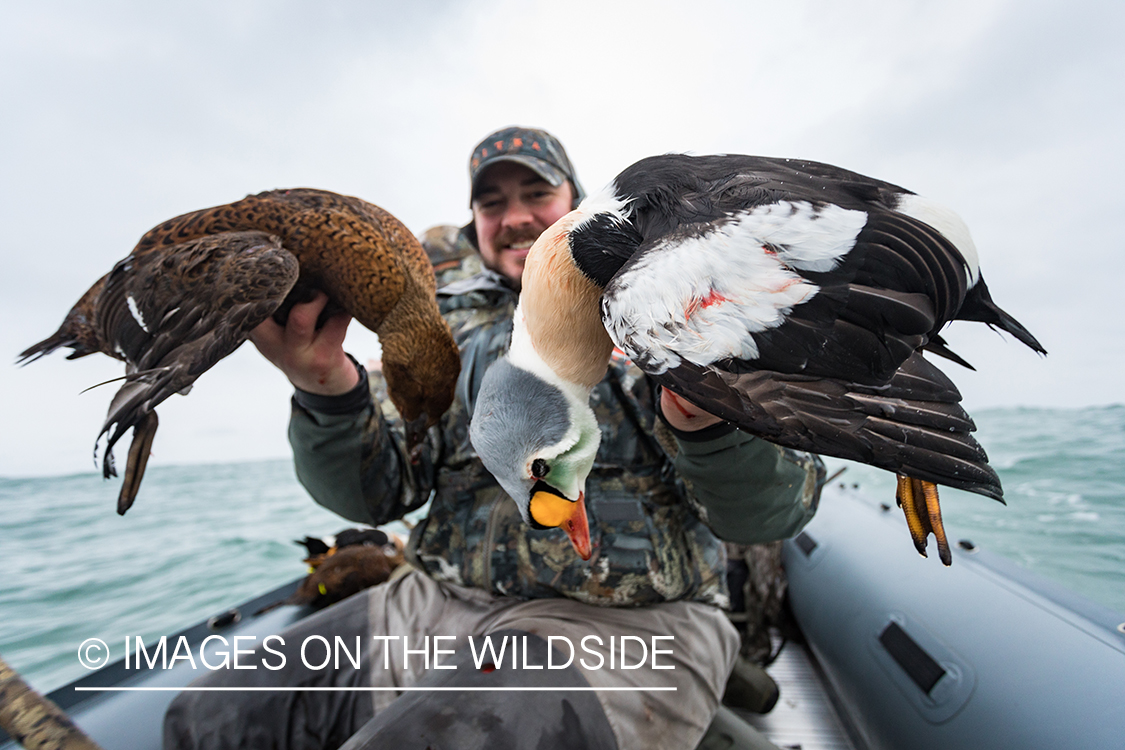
[(346, 563)]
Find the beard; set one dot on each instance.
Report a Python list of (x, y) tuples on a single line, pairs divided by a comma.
[(502, 260)]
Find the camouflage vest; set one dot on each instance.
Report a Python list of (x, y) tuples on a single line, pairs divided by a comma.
[(649, 546)]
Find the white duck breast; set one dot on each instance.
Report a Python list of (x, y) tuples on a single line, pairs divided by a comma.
[(701, 296)]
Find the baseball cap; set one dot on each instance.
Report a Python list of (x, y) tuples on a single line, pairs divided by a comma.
[(535, 149)]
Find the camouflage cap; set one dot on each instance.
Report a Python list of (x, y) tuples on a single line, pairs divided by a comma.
[(535, 149)]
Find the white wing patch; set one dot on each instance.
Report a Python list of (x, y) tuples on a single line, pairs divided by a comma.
[(136, 312), (702, 298)]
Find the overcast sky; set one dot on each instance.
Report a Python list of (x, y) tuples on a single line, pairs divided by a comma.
[(118, 115)]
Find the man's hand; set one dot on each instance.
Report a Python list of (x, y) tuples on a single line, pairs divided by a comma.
[(683, 414), (313, 360)]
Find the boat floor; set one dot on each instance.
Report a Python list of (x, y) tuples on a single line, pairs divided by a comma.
[(804, 717)]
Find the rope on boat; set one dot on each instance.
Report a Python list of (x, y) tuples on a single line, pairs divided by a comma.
[(32, 720)]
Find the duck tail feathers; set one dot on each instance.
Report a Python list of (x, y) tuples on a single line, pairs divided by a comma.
[(979, 306)]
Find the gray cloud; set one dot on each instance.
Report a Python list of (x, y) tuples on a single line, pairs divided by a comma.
[(122, 115)]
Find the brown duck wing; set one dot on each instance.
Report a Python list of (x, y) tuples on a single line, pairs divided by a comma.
[(174, 312), (353, 250), (369, 264)]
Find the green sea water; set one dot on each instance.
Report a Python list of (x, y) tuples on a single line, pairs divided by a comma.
[(203, 538), (1063, 473)]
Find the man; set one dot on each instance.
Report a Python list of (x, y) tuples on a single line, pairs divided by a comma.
[(657, 576)]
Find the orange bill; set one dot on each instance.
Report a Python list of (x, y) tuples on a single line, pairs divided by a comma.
[(552, 510)]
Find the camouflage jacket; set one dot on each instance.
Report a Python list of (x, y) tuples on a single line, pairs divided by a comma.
[(648, 499)]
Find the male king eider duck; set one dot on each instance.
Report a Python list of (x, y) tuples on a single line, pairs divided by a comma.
[(791, 298), (195, 287)]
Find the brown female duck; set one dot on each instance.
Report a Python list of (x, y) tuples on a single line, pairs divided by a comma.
[(195, 287)]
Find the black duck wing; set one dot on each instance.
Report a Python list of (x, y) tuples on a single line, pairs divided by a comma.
[(792, 287), (913, 425)]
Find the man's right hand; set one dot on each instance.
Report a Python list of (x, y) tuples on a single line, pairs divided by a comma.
[(313, 360)]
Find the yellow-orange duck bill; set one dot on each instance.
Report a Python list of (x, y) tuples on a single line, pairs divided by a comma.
[(549, 509)]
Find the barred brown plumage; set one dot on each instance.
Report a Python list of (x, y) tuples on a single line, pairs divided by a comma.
[(195, 286)]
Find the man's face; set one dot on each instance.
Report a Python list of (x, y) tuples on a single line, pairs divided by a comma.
[(512, 207)]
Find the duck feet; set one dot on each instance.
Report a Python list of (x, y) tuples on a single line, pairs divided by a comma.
[(919, 502)]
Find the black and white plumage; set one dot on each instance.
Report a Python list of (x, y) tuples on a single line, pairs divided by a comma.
[(789, 297)]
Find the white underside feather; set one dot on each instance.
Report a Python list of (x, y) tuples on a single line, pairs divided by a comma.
[(702, 298)]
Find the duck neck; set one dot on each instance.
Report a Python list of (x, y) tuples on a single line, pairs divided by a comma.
[(420, 359), (560, 311)]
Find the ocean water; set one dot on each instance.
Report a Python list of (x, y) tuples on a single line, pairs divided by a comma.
[(1063, 473), (1063, 476), (198, 540), (203, 538)]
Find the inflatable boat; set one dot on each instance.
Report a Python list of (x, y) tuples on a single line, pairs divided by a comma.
[(983, 654), (899, 653)]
